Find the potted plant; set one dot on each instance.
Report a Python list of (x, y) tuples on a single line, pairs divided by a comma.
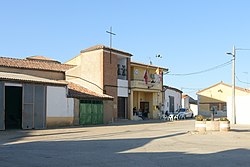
[(200, 123), (224, 124)]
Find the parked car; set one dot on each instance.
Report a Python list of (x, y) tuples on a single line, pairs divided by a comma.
[(185, 113)]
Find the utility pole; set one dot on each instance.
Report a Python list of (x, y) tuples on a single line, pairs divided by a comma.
[(233, 87), (233, 118), (233, 115), (110, 41)]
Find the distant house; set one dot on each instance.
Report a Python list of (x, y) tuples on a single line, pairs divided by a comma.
[(189, 103), (215, 97), (172, 98)]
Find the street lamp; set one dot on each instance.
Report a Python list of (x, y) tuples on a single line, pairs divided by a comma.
[(233, 118)]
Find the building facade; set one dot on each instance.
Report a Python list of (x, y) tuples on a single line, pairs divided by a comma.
[(172, 99), (106, 71), (215, 98), (146, 89), (33, 94), (189, 103)]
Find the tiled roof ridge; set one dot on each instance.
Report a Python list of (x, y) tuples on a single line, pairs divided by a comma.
[(79, 88), (43, 59), (33, 64), (31, 60), (101, 46)]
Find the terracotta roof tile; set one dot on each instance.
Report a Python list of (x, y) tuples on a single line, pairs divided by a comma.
[(79, 91), (97, 47), (42, 58), (222, 83), (34, 64)]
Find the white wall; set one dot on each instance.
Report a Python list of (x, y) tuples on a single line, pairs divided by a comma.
[(122, 88), (177, 99), (242, 108), (185, 102), (194, 108), (57, 103)]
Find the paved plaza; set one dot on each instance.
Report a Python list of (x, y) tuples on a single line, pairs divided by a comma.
[(129, 143)]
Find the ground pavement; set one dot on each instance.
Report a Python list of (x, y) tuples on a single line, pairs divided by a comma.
[(129, 143)]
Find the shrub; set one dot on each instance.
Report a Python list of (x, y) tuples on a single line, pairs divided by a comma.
[(224, 119), (199, 118)]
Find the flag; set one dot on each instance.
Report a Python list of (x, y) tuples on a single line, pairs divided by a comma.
[(157, 71), (146, 76), (160, 75)]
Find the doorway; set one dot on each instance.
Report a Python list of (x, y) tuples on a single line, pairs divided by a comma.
[(13, 107), (144, 107), (171, 104), (121, 107)]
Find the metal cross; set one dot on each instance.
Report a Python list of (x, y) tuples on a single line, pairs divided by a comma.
[(110, 40)]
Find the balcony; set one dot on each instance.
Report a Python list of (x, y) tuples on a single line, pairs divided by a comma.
[(141, 84)]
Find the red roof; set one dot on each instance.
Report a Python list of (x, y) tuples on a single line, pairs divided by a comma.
[(81, 92), (34, 64), (97, 47)]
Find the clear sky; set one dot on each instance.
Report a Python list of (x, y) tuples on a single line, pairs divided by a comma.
[(190, 36)]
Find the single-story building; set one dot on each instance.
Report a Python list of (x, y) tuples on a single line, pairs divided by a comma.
[(190, 103), (172, 98), (35, 95), (215, 98)]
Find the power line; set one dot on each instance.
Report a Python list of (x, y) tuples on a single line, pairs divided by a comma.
[(242, 81), (190, 88), (203, 71)]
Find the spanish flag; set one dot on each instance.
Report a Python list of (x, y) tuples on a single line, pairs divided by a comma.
[(146, 76), (157, 71)]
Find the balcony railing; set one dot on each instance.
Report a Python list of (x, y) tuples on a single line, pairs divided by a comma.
[(142, 84)]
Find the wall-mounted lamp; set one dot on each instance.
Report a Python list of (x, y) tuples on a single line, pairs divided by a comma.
[(129, 91)]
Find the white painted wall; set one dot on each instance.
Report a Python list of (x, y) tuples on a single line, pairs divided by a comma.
[(242, 107), (57, 103), (122, 88), (194, 108), (177, 99), (185, 102)]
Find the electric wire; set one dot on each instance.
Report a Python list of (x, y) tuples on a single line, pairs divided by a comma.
[(203, 71), (241, 80)]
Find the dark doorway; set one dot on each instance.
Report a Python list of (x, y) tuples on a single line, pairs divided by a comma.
[(13, 107), (171, 103), (144, 107), (121, 107)]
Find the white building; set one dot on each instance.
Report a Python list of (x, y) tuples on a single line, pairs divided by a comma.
[(241, 109), (189, 103), (172, 99)]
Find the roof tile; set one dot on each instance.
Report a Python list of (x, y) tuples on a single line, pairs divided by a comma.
[(79, 91), (34, 64)]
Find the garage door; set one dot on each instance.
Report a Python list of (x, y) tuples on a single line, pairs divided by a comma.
[(91, 112)]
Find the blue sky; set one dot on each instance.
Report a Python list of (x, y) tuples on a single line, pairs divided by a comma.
[(190, 35)]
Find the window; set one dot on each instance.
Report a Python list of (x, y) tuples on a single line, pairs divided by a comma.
[(121, 71), (214, 106)]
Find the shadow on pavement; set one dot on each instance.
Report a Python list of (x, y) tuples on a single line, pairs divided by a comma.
[(113, 153), (240, 130)]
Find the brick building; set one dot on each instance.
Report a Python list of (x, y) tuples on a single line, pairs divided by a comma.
[(106, 71)]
